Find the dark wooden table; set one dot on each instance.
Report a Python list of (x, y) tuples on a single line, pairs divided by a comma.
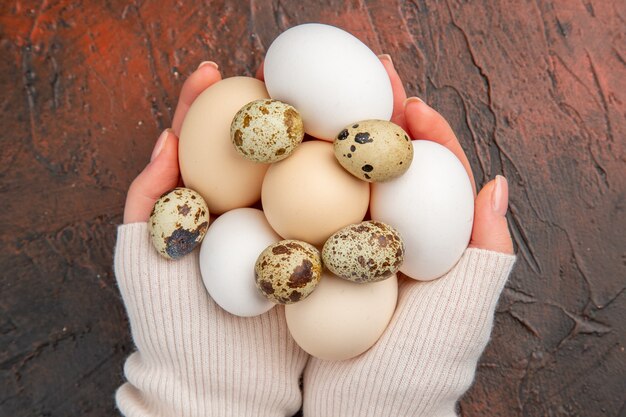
[(536, 90)]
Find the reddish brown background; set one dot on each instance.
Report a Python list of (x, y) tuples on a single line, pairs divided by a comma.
[(535, 89)]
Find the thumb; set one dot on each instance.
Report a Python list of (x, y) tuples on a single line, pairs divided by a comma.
[(158, 177), (491, 230)]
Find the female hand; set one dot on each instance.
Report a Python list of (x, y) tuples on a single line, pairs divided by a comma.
[(426, 358), (193, 358)]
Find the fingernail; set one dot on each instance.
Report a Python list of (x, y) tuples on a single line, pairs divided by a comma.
[(160, 143), (413, 100), (500, 196), (210, 63), (386, 57)]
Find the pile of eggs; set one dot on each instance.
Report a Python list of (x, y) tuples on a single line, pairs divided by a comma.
[(315, 145)]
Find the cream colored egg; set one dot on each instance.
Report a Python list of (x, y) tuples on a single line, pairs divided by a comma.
[(366, 252), (266, 131), (374, 150), (178, 222), (208, 161), (342, 319), (288, 271), (309, 196)]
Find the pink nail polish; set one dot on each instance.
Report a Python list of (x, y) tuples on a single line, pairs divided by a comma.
[(386, 57), (500, 196), (210, 63), (413, 100), (160, 143)]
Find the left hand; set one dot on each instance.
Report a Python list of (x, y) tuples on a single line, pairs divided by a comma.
[(162, 173)]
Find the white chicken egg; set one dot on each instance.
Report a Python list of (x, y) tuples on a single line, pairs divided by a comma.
[(331, 78), (227, 256), (431, 206)]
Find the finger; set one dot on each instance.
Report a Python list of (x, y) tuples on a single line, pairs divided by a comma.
[(399, 94), (425, 123), (201, 79), (259, 72), (158, 177), (491, 230)]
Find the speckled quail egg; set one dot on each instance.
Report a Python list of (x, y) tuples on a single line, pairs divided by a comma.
[(374, 150), (266, 130), (370, 251), (288, 271), (178, 222)]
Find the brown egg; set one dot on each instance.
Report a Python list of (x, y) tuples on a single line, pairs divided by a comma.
[(366, 252), (208, 161), (288, 271), (342, 319), (374, 150), (266, 131), (308, 196)]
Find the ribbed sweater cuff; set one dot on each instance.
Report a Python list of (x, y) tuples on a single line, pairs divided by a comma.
[(193, 358), (427, 357)]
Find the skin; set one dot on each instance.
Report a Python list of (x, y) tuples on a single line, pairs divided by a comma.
[(422, 122)]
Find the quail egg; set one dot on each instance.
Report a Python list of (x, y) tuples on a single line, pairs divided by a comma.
[(288, 271), (370, 251), (266, 131), (374, 150), (178, 222)]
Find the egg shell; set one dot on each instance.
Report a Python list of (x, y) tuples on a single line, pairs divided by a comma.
[(366, 252), (266, 131), (208, 161), (330, 76), (178, 222), (227, 257), (374, 150), (288, 271), (342, 319), (432, 207), (309, 196)]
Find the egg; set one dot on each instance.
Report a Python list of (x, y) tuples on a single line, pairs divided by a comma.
[(431, 206), (266, 130), (208, 161), (309, 196), (342, 319), (374, 150), (288, 271), (366, 252), (178, 222), (330, 76), (227, 257)]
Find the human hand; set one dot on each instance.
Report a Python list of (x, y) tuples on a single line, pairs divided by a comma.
[(162, 174), (425, 359), (193, 358)]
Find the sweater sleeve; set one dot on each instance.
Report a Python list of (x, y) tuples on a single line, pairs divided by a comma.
[(427, 357), (193, 358)]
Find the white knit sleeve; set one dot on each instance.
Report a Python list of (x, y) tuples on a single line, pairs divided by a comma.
[(427, 357), (193, 358)]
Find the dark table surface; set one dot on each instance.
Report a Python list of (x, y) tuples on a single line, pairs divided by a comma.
[(536, 90)]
